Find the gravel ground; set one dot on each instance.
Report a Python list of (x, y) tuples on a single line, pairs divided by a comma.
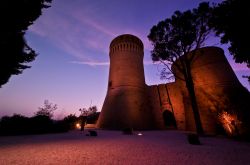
[(112, 147)]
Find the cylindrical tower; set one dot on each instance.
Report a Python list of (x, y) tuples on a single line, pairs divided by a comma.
[(125, 105), (217, 90)]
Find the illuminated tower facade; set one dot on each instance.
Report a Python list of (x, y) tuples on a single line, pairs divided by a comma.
[(125, 105)]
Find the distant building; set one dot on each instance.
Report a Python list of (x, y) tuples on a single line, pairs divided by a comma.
[(130, 103)]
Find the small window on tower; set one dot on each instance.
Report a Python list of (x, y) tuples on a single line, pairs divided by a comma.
[(110, 83)]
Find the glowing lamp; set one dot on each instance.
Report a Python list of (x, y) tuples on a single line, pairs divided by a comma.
[(230, 123), (78, 125)]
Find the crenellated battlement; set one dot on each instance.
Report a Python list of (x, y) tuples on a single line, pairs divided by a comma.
[(126, 42)]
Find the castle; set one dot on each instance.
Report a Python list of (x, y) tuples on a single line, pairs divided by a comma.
[(130, 103)]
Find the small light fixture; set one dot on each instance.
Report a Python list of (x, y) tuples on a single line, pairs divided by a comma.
[(230, 123), (78, 125), (139, 134)]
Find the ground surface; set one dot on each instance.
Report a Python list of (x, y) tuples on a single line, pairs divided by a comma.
[(112, 147)]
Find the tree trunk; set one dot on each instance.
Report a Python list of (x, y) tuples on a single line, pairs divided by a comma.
[(191, 91)]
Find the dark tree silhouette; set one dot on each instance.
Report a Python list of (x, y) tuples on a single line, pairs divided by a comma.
[(176, 37), (86, 112), (229, 22), (47, 109), (16, 124), (71, 121), (89, 115), (16, 16)]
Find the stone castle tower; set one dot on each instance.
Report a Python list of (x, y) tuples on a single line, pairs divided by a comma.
[(125, 105), (130, 103)]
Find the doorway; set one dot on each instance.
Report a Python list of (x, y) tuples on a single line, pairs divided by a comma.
[(169, 119)]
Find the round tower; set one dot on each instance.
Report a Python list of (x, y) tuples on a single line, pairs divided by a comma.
[(125, 104), (217, 90)]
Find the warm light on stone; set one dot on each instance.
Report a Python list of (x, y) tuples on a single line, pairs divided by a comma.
[(126, 104), (130, 103)]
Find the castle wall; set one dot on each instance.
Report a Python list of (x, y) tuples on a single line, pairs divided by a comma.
[(176, 99), (213, 80), (155, 107), (130, 103), (167, 97)]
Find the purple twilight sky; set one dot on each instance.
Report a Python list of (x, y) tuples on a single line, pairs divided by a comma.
[(72, 39)]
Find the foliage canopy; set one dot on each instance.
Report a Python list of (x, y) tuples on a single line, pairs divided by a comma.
[(229, 21), (16, 16)]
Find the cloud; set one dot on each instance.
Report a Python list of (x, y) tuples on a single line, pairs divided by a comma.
[(81, 31), (73, 32), (91, 63), (98, 63), (86, 21)]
